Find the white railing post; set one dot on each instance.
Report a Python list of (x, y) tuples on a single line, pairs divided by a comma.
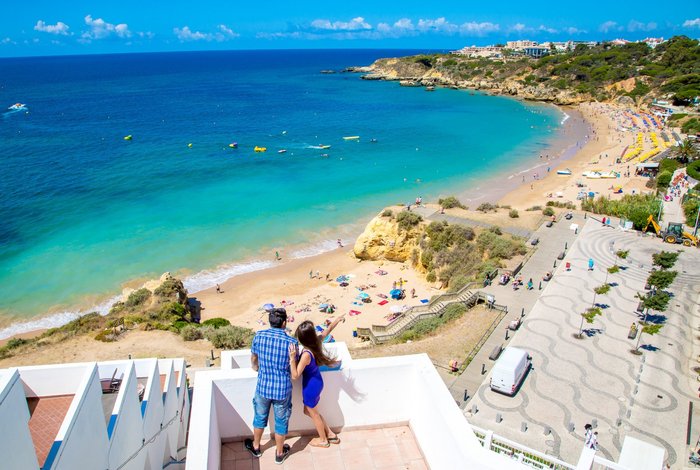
[(488, 437)]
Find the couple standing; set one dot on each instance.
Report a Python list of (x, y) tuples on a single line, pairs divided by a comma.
[(275, 356)]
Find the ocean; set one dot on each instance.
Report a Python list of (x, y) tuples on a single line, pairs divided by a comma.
[(85, 212)]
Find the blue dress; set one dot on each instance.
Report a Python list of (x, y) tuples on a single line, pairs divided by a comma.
[(312, 382)]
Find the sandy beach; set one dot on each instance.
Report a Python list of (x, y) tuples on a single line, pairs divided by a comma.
[(301, 285)]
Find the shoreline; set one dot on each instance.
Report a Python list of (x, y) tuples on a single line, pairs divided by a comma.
[(222, 274)]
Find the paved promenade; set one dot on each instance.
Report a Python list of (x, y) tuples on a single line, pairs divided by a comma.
[(553, 241), (596, 379)]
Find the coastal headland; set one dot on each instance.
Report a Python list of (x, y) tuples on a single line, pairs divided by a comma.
[(303, 284)]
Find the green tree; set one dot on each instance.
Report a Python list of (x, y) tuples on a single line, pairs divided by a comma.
[(588, 316), (685, 151), (649, 328), (658, 301), (661, 279), (665, 259)]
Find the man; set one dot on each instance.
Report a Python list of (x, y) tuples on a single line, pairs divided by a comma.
[(270, 358)]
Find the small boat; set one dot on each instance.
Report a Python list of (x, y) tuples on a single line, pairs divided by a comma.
[(17, 107), (282, 151), (324, 147), (260, 149), (128, 137), (233, 145), (374, 141), (430, 88), (352, 137), (565, 172), (324, 155)]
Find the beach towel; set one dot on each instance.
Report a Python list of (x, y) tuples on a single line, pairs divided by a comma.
[(381, 272), (383, 302), (354, 312), (424, 301), (383, 296), (357, 303)]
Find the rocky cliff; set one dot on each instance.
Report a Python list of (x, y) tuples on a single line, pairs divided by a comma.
[(383, 239), (412, 73)]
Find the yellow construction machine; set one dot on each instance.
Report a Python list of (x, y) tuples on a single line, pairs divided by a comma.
[(673, 234)]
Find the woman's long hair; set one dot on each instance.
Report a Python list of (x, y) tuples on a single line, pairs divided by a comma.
[(308, 337)]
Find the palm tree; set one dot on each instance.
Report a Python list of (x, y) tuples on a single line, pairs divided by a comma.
[(685, 151)]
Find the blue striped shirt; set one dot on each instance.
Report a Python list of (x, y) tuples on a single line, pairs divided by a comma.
[(272, 348)]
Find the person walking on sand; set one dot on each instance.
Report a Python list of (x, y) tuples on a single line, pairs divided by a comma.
[(218, 289), (306, 364), (277, 255), (590, 264), (270, 358)]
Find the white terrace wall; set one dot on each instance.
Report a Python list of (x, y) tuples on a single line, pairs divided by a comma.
[(367, 392), (16, 446), (82, 439), (125, 428)]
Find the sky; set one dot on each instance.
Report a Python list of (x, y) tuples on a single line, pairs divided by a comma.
[(59, 27)]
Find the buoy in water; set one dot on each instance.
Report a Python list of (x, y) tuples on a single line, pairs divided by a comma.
[(128, 137), (233, 145), (189, 145)]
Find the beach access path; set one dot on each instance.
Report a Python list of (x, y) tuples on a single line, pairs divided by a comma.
[(552, 242), (597, 379), (431, 214)]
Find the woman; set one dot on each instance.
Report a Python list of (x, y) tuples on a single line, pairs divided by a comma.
[(307, 366)]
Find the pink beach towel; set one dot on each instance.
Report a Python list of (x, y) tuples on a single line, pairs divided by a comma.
[(354, 312), (383, 302)]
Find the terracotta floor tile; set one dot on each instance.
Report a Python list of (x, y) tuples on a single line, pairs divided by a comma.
[(299, 461), (392, 448), (409, 450), (386, 456), (228, 465), (244, 465), (327, 460), (418, 465), (357, 459), (398, 432)]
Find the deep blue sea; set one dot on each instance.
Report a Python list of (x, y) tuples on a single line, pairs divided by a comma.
[(84, 211)]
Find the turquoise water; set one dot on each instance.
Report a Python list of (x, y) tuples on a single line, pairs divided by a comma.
[(85, 211)]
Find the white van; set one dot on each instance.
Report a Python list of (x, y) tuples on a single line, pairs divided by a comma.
[(510, 370)]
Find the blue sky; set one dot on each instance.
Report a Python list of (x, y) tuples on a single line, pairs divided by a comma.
[(44, 27)]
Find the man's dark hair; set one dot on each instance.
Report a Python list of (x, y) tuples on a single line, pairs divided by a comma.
[(277, 317)]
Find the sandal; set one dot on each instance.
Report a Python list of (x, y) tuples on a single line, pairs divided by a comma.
[(320, 444), (334, 440)]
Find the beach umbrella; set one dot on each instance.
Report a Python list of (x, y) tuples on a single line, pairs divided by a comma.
[(363, 295), (268, 307), (341, 278)]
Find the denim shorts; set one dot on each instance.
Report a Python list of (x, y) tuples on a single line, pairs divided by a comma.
[(282, 409)]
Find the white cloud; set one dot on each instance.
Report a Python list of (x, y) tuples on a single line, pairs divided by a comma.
[(100, 29), (634, 25), (609, 26), (222, 33), (572, 30), (355, 24), (59, 28), (547, 29), (519, 27), (359, 28), (692, 23)]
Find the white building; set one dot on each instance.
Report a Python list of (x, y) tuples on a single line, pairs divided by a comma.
[(135, 414), (488, 52), (521, 44), (377, 394), (106, 415)]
